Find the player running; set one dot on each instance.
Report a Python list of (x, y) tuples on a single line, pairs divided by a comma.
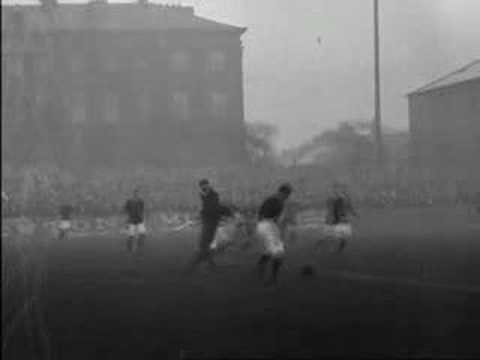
[(135, 210), (65, 224), (339, 212), (210, 216), (270, 234)]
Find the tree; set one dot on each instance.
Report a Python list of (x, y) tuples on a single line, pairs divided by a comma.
[(260, 138), (347, 146)]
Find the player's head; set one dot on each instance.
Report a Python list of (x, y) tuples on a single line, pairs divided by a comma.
[(284, 191), (204, 185), (338, 188), (136, 193), (65, 198)]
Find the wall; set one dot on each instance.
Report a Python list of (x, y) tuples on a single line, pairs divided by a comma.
[(77, 73), (445, 129)]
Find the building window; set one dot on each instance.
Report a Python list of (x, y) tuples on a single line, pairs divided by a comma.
[(79, 108), (17, 68), (112, 113), (111, 62), (38, 40), (144, 105), (180, 105), (218, 105), (42, 65), (444, 152), (162, 42), (76, 64), (180, 62), (140, 64), (216, 61)]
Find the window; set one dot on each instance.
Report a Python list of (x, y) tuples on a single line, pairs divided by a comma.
[(180, 105), (140, 63), (112, 113), (38, 40), (444, 152), (111, 62), (218, 105), (17, 67), (42, 65), (76, 64), (179, 62), (162, 42), (216, 61), (144, 106), (79, 108)]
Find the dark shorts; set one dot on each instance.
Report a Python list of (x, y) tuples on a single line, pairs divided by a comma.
[(207, 234)]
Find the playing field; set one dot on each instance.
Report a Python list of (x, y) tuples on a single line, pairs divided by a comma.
[(409, 285)]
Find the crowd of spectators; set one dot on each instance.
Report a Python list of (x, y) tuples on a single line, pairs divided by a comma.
[(40, 192)]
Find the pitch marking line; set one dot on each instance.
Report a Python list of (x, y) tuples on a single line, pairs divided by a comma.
[(470, 289)]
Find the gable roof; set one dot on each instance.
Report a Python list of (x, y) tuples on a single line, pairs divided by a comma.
[(113, 17), (464, 74)]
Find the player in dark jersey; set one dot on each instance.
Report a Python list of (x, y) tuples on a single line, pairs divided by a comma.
[(270, 234), (135, 210), (339, 212), (210, 215), (65, 225), (477, 202)]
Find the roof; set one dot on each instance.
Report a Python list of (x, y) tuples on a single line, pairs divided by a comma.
[(466, 73), (100, 15)]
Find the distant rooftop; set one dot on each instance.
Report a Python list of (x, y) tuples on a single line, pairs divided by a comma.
[(101, 15), (466, 73)]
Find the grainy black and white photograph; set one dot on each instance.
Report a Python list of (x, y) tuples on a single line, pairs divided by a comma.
[(240, 179)]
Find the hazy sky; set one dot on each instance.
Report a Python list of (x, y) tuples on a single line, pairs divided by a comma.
[(304, 87)]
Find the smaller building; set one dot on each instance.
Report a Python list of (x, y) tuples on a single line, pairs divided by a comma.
[(445, 125)]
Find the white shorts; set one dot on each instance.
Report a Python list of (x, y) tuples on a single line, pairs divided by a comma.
[(136, 229), (270, 236), (226, 234), (339, 231), (65, 225)]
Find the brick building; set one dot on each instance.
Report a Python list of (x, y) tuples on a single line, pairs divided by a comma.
[(103, 84), (445, 125)]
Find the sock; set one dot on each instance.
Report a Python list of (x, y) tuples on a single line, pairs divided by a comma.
[(277, 263), (129, 244), (262, 263)]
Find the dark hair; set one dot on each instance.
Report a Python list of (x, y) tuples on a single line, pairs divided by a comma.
[(203, 182), (285, 189)]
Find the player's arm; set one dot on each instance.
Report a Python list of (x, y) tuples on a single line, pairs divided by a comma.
[(126, 208), (144, 211)]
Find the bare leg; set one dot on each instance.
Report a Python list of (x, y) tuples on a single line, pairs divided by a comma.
[(141, 243), (130, 244), (204, 254), (276, 264), (262, 265), (342, 242), (200, 256)]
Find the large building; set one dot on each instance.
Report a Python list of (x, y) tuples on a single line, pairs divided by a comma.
[(102, 84), (445, 125)]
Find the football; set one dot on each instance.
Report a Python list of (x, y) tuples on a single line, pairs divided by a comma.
[(307, 271)]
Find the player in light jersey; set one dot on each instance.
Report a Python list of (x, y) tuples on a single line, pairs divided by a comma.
[(339, 213), (65, 225), (135, 210)]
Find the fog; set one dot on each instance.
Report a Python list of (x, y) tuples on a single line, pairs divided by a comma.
[(134, 194), (304, 87)]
